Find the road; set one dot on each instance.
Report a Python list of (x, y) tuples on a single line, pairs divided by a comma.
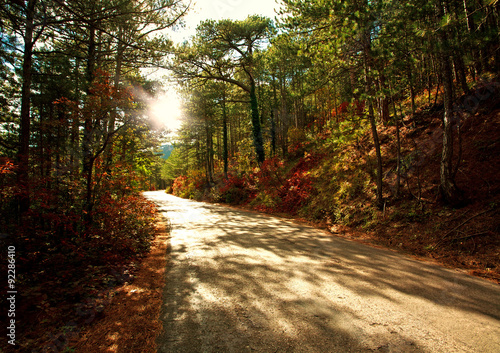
[(247, 282)]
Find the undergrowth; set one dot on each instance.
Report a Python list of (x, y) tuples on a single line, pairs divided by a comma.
[(62, 261)]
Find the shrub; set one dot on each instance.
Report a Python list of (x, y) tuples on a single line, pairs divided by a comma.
[(235, 190), (189, 186), (298, 186), (122, 227), (179, 185), (298, 143), (265, 202), (270, 176)]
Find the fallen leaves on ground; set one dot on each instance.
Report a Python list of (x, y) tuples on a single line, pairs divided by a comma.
[(131, 321)]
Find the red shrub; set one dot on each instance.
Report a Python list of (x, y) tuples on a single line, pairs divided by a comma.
[(6, 166), (298, 186), (123, 226), (270, 175), (357, 108), (236, 190), (179, 184)]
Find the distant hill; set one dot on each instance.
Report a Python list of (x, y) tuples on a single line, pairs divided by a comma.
[(166, 150)]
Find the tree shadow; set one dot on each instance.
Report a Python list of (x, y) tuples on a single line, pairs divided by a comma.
[(274, 285)]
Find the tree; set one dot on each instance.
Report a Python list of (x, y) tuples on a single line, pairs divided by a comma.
[(27, 20), (225, 142), (114, 35), (449, 190), (287, 79), (343, 33), (225, 51), (9, 93)]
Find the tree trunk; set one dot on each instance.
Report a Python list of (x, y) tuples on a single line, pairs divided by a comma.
[(412, 91), (461, 75), (24, 137), (373, 124), (449, 190), (283, 117), (398, 148), (75, 126), (209, 155), (273, 133), (118, 69), (451, 194), (88, 160), (225, 152), (256, 127), (87, 131)]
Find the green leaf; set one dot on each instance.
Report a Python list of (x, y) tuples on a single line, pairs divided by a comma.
[(445, 21), (421, 32)]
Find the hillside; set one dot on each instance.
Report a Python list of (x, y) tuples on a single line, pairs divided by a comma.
[(418, 222)]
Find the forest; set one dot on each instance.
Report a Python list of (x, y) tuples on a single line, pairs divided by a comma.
[(378, 115), (381, 115)]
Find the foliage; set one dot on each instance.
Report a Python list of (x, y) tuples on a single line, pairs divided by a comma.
[(52, 246), (123, 227), (343, 174), (276, 190), (298, 143), (235, 190), (335, 73), (225, 51), (179, 185), (299, 184), (76, 147), (173, 166), (189, 186), (269, 176)]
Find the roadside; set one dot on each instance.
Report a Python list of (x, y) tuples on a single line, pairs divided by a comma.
[(130, 322), (428, 239), (417, 223), (328, 182)]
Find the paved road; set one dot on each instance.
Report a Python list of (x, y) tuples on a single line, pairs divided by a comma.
[(246, 282)]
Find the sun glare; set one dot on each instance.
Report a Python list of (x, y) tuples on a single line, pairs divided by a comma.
[(166, 111)]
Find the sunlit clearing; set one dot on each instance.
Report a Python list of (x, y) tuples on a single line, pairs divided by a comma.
[(166, 112)]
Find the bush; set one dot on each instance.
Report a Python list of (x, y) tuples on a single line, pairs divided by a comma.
[(56, 249), (298, 186), (123, 227), (270, 176), (265, 202), (235, 190), (179, 186), (189, 186)]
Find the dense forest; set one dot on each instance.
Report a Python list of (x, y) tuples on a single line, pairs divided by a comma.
[(265, 101), (343, 112), (76, 144)]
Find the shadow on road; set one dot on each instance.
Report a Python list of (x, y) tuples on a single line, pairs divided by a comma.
[(273, 285)]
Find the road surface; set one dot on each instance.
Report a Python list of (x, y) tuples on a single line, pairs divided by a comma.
[(247, 282)]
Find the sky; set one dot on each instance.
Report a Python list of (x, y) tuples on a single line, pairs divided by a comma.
[(166, 110), (222, 9)]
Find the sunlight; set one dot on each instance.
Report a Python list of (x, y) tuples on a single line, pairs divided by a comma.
[(166, 111)]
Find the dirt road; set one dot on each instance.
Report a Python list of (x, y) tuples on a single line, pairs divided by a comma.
[(246, 282)]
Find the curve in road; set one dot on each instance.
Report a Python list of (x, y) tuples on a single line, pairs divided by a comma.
[(247, 282)]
